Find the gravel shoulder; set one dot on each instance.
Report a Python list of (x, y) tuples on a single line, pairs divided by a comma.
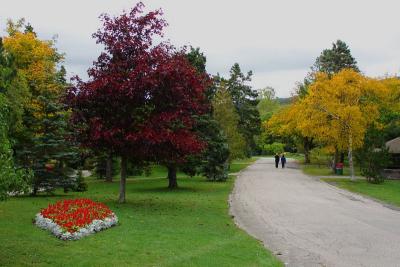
[(306, 222)]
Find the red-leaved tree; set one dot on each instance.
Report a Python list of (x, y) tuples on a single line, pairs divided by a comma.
[(141, 98)]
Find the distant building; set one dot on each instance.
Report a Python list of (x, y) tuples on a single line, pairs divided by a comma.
[(393, 171), (394, 150)]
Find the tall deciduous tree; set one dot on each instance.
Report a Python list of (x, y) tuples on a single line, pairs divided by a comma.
[(13, 97), (225, 114), (141, 98), (268, 103), (285, 123), (330, 61), (338, 110), (11, 178), (15, 88), (39, 84)]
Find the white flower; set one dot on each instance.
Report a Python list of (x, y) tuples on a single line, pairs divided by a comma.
[(95, 226)]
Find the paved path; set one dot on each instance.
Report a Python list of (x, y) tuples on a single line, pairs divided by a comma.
[(311, 223)]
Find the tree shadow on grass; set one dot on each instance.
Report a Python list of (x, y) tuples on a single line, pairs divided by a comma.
[(139, 207), (43, 195), (165, 189)]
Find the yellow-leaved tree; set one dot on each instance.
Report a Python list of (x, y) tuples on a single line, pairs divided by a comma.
[(338, 109), (37, 61), (40, 142), (286, 123)]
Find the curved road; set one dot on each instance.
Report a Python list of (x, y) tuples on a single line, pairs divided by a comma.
[(306, 222)]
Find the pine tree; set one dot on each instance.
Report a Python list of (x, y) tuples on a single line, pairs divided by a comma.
[(336, 59), (245, 101)]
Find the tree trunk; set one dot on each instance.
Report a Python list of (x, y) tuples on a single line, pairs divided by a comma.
[(109, 171), (172, 182), (123, 180), (351, 158), (342, 157), (34, 191), (307, 145), (335, 159)]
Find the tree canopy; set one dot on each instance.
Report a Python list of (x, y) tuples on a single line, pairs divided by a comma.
[(245, 100), (141, 98), (335, 59)]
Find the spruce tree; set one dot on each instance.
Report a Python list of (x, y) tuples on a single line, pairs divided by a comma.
[(52, 150)]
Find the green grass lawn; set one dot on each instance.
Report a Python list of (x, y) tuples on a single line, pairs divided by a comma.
[(238, 165), (321, 170), (389, 191), (158, 227), (298, 157)]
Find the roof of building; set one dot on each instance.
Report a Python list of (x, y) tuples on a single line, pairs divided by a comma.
[(394, 145)]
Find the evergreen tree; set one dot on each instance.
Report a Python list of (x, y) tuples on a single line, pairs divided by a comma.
[(197, 59), (217, 153), (41, 143), (245, 100), (212, 163), (333, 60), (330, 61), (51, 151)]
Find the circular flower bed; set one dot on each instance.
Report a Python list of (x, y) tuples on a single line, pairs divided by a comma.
[(73, 219)]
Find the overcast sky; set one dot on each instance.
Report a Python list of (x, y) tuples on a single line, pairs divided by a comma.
[(277, 40)]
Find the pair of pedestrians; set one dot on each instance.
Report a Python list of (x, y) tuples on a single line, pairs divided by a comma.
[(282, 158)]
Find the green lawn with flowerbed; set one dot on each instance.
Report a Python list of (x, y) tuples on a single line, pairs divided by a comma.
[(157, 227)]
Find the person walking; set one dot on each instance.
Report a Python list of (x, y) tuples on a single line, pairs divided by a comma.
[(276, 160), (283, 160)]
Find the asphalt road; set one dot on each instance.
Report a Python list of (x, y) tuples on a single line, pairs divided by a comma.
[(306, 222)]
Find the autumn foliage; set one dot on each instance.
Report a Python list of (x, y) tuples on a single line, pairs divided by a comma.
[(336, 111), (141, 97)]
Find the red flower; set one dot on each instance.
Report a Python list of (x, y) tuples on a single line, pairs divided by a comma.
[(72, 214)]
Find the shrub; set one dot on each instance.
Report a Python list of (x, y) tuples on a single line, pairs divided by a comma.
[(320, 156), (374, 162), (373, 156)]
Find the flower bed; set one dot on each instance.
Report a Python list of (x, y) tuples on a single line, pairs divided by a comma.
[(73, 219)]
